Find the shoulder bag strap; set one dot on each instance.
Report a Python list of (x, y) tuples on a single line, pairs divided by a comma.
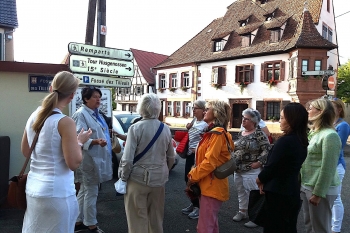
[(228, 143), (35, 140), (139, 156)]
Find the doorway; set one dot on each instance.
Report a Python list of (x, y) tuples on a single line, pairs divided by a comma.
[(237, 110)]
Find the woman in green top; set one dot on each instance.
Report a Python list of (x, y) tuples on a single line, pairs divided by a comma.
[(319, 179)]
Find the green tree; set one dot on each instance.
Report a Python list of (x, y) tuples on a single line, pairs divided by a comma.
[(343, 84)]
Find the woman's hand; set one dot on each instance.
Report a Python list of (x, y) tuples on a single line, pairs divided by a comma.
[(83, 136), (255, 165), (260, 185), (315, 200), (99, 141)]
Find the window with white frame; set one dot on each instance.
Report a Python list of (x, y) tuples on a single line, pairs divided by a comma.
[(218, 75), (162, 81), (173, 80), (187, 108), (304, 65), (330, 35), (123, 91), (170, 108), (318, 65), (185, 79), (178, 107)]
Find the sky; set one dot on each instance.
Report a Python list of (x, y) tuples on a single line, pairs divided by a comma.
[(161, 26)]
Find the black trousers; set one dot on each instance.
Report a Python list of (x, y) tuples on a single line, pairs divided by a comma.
[(188, 165), (282, 213)]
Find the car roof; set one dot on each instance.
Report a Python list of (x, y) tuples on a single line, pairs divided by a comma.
[(125, 113)]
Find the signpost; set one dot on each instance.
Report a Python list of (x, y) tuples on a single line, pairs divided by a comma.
[(318, 72), (102, 66), (96, 51), (103, 81)]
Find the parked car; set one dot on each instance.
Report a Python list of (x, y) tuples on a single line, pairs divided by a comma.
[(121, 123)]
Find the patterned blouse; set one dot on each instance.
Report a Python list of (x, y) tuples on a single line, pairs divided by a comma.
[(251, 148)]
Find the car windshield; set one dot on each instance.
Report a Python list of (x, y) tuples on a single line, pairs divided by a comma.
[(126, 120)]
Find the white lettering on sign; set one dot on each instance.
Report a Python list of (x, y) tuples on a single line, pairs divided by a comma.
[(102, 66), (103, 81)]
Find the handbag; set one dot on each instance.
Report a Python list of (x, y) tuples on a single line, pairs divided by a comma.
[(121, 186), (227, 168), (16, 195), (193, 191), (182, 148)]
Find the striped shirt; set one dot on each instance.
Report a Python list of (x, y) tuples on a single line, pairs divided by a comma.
[(194, 134)]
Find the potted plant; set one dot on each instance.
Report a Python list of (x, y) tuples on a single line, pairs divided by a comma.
[(243, 85), (272, 82), (185, 88), (172, 89), (217, 85), (161, 90)]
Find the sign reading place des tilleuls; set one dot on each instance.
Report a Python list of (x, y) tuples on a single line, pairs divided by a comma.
[(96, 51), (96, 80), (100, 66), (39, 83)]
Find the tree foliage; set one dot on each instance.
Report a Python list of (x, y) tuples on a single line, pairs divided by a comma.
[(343, 84)]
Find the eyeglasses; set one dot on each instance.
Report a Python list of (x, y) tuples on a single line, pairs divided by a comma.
[(207, 109), (245, 119), (195, 108)]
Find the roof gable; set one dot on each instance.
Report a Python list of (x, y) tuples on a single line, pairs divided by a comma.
[(8, 14), (146, 61), (286, 15)]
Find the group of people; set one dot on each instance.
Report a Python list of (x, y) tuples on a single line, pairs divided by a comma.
[(303, 169)]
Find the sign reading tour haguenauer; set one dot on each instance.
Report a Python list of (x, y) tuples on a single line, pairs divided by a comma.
[(101, 66), (96, 51)]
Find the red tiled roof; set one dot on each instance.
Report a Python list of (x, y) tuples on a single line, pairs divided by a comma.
[(300, 31), (146, 61)]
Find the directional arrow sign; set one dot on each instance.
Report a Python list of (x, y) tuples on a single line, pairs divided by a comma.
[(102, 66), (318, 72), (97, 80), (96, 51)]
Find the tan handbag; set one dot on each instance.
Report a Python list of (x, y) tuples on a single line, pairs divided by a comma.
[(116, 148), (227, 168)]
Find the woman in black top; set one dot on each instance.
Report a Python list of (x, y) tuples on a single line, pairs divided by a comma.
[(279, 177)]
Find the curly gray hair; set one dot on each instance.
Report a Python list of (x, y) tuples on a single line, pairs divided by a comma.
[(255, 115)]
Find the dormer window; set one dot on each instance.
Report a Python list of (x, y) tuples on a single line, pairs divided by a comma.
[(270, 16), (263, 1), (246, 40), (275, 35), (219, 44), (243, 23)]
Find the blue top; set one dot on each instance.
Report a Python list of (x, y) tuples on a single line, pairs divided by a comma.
[(343, 130)]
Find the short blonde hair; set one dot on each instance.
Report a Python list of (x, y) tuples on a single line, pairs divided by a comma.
[(327, 116), (222, 112)]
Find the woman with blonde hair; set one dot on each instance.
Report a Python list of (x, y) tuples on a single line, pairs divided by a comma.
[(212, 151), (320, 184), (343, 130), (50, 191)]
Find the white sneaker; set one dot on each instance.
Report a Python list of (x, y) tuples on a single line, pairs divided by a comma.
[(250, 224), (194, 214), (188, 209), (239, 216)]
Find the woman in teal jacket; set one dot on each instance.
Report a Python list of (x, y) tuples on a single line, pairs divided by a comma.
[(320, 184)]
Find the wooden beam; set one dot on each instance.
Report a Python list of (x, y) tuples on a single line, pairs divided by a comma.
[(90, 22)]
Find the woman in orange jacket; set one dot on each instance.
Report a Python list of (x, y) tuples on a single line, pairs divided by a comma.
[(212, 151)]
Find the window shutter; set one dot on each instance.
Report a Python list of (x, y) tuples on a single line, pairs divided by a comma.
[(170, 83), (260, 108), (159, 82), (182, 79), (262, 72), (252, 73), (214, 75), (1, 47), (191, 78), (237, 75), (282, 70), (221, 75)]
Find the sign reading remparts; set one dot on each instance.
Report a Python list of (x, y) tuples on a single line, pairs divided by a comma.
[(102, 66), (96, 51)]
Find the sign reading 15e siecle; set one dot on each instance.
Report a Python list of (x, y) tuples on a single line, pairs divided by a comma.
[(102, 66)]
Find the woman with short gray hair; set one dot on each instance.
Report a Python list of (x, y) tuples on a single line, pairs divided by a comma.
[(251, 150), (146, 175)]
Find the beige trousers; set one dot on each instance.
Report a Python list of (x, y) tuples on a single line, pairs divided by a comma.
[(144, 207)]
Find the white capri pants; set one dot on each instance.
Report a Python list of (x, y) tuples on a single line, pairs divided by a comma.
[(245, 182)]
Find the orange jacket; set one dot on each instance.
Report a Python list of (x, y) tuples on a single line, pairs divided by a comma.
[(212, 151)]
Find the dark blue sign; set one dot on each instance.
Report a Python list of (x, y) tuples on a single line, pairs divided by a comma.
[(39, 83)]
